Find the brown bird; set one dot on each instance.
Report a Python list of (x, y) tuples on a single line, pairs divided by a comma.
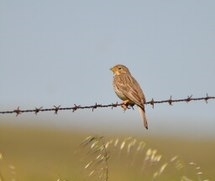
[(127, 89)]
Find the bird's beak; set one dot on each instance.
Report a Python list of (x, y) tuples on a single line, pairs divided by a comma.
[(113, 71)]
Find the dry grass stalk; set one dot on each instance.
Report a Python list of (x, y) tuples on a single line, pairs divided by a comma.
[(136, 150)]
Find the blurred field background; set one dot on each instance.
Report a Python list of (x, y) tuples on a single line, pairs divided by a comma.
[(39, 153)]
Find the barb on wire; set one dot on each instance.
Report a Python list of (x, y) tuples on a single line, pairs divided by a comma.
[(74, 108)]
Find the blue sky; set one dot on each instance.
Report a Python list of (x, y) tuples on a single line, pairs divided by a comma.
[(60, 52)]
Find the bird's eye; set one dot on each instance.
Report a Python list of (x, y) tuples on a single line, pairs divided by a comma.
[(119, 68)]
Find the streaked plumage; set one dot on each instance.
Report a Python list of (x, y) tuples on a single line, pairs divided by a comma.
[(128, 89)]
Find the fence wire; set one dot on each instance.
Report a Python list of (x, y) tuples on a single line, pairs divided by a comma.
[(76, 107)]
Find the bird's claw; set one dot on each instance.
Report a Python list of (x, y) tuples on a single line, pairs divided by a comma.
[(125, 105)]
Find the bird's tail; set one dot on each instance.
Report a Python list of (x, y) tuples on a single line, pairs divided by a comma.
[(143, 115)]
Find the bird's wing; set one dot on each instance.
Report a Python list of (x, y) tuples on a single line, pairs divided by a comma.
[(131, 89)]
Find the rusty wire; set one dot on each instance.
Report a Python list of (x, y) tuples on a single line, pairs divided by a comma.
[(55, 108)]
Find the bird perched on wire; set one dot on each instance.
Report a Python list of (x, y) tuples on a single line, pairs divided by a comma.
[(127, 89)]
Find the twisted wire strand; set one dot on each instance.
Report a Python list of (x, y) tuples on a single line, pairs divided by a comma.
[(74, 108)]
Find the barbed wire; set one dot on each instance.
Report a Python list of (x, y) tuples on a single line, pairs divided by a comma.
[(74, 108)]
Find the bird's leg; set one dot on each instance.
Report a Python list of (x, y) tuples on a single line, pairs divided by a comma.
[(125, 105)]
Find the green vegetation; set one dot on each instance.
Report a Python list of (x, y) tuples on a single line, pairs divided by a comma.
[(28, 154)]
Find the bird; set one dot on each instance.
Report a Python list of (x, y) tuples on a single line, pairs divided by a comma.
[(128, 89)]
